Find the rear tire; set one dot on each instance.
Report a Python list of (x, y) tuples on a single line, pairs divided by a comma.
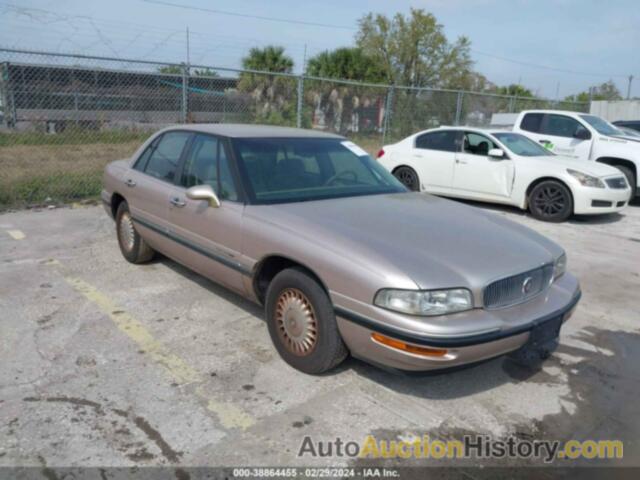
[(551, 201), (134, 249), (408, 177), (631, 178), (302, 323)]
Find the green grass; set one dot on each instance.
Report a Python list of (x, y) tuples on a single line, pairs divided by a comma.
[(72, 136)]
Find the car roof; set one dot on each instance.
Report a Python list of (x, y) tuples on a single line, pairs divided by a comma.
[(237, 130)]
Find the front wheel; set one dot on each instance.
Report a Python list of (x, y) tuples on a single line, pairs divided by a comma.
[(408, 177), (302, 324), (631, 178), (551, 201)]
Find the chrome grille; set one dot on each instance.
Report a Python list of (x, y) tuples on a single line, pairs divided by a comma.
[(518, 288), (617, 182)]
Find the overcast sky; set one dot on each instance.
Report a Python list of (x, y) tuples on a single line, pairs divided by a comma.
[(583, 42)]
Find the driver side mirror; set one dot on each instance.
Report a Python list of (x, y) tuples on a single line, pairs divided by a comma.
[(496, 153), (582, 134), (204, 192)]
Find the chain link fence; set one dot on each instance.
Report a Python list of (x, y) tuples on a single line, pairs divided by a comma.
[(64, 117)]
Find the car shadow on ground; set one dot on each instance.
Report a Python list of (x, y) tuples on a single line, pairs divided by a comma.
[(454, 383), (574, 219)]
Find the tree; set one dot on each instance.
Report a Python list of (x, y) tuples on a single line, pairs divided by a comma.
[(342, 104), (515, 90), (273, 95), (414, 50), (170, 70), (604, 91)]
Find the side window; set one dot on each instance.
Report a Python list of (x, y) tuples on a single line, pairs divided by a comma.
[(476, 144), (560, 126), (531, 122), (207, 164), (144, 158), (444, 140), (164, 159)]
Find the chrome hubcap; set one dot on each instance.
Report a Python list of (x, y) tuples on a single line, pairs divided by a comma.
[(296, 322), (126, 231)]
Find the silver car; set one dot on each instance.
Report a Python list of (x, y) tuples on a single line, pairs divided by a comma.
[(343, 257)]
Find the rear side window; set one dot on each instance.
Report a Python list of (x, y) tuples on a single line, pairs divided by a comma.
[(532, 122), (560, 126), (164, 159), (445, 140)]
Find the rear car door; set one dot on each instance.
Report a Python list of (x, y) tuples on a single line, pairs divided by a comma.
[(477, 173), (209, 239), (150, 181), (433, 157), (559, 133)]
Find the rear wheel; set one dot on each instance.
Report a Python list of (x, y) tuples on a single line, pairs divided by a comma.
[(408, 177), (551, 201), (302, 323), (631, 178), (132, 246)]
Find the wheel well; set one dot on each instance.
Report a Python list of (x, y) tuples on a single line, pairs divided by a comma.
[(621, 162), (116, 200), (269, 267), (544, 179), (401, 166)]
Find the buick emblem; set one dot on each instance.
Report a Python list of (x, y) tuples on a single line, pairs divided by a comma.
[(527, 285)]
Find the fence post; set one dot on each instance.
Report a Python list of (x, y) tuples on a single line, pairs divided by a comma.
[(185, 93), (511, 104), (387, 113), (299, 106), (459, 107)]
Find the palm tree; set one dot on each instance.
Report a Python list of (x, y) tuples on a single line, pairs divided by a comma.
[(273, 95)]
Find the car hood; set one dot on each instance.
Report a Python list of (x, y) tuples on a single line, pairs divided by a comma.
[(435, 242), (595, 169)]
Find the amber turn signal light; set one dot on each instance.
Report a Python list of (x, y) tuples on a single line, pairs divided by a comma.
[(404, 347)]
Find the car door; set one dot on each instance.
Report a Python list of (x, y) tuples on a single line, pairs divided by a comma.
[(149, 184), (433, 157), (477, 174), (561, 134), (209, 239)]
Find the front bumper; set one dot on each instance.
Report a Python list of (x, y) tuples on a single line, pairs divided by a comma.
[(468, 337), (590, 201)]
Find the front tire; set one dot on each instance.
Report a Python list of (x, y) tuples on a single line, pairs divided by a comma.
[(551, 201), (631, 179), (408, 177), (302, 323), (134, 249)]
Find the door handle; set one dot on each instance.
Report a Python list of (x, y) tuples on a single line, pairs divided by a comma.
[(461, 161), (176, 202), (543, 141), (129, 183)]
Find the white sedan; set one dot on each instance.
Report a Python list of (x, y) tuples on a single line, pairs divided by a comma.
[(505, 167)]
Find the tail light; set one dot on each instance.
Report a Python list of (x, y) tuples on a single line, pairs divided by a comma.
[(380, 153)]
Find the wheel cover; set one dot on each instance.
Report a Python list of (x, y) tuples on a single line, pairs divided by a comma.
[(407, 177), (550, 200), (126, 232), (296, 322)]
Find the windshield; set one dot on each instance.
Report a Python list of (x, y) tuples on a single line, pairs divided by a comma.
[(601, 125), (281, 170), (521, 145)]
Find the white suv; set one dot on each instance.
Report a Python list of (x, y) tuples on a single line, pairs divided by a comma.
[(584, 137)]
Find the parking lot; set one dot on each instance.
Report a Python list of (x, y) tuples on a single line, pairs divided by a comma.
[(104, 363)]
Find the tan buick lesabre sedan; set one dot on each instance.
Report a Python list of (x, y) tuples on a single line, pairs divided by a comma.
[(343, 257)]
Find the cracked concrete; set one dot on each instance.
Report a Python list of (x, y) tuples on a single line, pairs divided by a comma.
[(78, 390)]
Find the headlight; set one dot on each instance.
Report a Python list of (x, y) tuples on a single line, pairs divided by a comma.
[(586, 180), (427, 303), (560, 266)]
